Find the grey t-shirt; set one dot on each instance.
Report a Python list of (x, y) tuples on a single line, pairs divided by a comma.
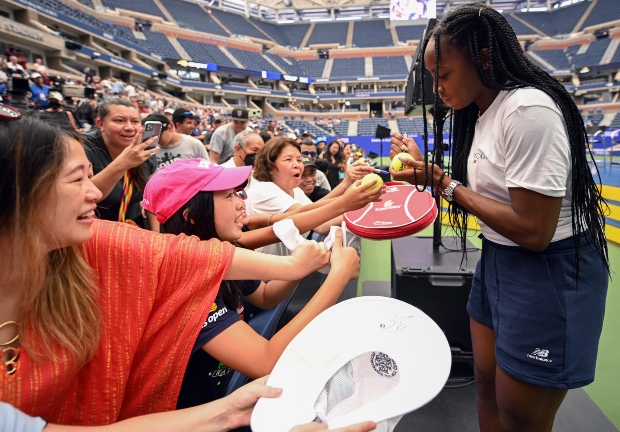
[(187, 148), (223, 142)]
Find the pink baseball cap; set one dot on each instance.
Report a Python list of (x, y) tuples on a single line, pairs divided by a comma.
[(175, 184)]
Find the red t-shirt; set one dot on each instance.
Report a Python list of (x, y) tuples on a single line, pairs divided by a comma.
[(156, 292)]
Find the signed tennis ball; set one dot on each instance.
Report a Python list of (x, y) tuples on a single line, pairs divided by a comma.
[(369, 178), (397, 165)]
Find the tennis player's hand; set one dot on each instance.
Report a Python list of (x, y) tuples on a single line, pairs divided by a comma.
[(312, 427), (398, 141)]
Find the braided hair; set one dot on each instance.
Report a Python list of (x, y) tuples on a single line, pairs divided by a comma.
[(475, 27)]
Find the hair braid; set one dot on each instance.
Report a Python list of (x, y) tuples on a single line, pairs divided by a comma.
[(475, 27)]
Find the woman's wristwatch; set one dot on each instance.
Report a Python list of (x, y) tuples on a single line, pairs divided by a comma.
[(448, 192)]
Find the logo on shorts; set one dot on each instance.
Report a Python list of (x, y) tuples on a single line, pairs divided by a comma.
[(383, 364), (540, 355)]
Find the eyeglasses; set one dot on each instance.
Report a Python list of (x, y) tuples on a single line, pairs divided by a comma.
[(311, 154), (241, 194)]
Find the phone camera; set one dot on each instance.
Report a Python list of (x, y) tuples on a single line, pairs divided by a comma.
[(149, 127)]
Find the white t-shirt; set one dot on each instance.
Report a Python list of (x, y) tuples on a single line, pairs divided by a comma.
[(267, 198), (521, 142), (230, 163)]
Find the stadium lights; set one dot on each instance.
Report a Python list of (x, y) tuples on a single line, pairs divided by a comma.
[(348, 18), (286, 21), (319, 19), (534, 9)]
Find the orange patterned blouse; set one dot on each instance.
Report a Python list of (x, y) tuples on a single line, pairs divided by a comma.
[(156, 290)]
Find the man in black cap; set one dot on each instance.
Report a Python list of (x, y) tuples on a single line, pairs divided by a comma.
[(308, 182), (174, 146), (183, 120), (222, 145)]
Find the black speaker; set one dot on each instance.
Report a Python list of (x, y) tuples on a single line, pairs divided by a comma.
[(413, 90), (382, 132), (437, 283)]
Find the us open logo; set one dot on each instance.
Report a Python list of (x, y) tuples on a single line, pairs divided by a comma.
[(383, 364)]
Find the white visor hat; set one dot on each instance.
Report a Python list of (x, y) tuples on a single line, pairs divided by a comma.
[(365, 359)]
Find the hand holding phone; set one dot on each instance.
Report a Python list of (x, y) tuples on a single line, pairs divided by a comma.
[(151, 129)]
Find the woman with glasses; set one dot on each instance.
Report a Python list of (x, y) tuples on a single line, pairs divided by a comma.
[(121, 162), (198, 198)]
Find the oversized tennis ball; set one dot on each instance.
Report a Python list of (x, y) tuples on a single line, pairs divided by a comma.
[(368, 178), (397, 165)]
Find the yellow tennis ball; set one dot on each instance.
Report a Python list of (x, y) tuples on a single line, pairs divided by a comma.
[(369, 178), (397, 165)]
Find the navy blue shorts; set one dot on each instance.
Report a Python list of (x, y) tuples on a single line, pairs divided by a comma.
[(547, 329)]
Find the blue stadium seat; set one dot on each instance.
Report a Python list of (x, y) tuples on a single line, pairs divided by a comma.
[(274, 31), (295, 33), (290, 65), (325, 33), (604, 11), (237, 24), (368, 126), (372, 34), (389, 66), (251, 60), (342, 129), (518, 26), (192, 16), (142, 6), (410, 32), (593, 55), (313, 68), (205, 53), (349, 67)]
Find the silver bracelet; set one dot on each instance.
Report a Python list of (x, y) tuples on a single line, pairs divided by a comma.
[(448, 192), (269, 220)]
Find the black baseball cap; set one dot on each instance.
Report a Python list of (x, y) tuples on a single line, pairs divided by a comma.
[(240, 113), (308, 162), (180, 114), (159, 118)]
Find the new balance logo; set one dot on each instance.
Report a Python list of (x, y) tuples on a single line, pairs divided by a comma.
[(540, 355)]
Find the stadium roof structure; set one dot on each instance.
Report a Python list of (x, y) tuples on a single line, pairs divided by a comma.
[(290, 11)]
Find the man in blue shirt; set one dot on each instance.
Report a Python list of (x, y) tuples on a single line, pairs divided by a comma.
[(40, 91)]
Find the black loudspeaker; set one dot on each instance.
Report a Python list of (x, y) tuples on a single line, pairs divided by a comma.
[(413, 90), (382, 132), (437, 284), (69, 44)]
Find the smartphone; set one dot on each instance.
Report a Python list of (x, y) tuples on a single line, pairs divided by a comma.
[(151, 129)]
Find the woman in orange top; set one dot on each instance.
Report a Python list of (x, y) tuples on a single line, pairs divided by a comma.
[(98, 318)]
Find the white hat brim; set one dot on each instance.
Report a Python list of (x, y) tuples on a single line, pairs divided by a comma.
[(351, 328)]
